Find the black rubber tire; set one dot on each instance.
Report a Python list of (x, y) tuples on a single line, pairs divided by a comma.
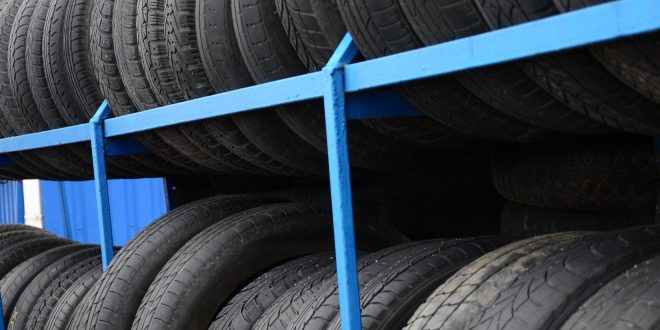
[(243, 310), (70, 79), (44, 306), (379, 28), (269, 55), (225, 70), (114, 300), (125, 34), (79, 68), (106, 56), (552, 290), (13, 284), (234, 251), (37, 163), (466, 293), (65, 308), (630, 301), (319, 27), (392, 287), (9, 238), (13, 255), (524, 220), (39, 92), (23, 169), (617, 173), (282, 151), (35, 67), (5, 228), (27, 117), (44, 279), (152, 46), (633, 60), (505, 87), (288, 307), (576, 77), (184, 60)]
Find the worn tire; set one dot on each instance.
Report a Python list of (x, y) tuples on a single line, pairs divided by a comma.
[(120, 75), (270, 55), (288, 307), (629, 301), (575, 76), (29, 118), (13, 284), (225, 69), (633, 60), (13, 255), (69, 76), (245, 308), (394, 285), (64, 309), (319, 27), (7, 239), (35, 162), (505, 87), (552, 290), (114, 300), (104, 53), (233, 250), (455, 302), (617, 173), (5, 228), (525, 220), (44, 307), (41, 283), (380, 28)]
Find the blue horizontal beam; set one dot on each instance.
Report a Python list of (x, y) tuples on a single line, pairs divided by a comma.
[(595, 24), (582, 27), (290, 90), (52, 138)]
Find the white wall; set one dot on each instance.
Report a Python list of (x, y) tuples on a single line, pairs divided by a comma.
[(32, 200)]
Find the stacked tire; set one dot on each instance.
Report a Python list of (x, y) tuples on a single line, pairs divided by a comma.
[(62, 57), (42, 277), (260, 262)]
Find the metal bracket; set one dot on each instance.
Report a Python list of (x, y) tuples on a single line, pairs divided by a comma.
[(340, 183), (101, 181)]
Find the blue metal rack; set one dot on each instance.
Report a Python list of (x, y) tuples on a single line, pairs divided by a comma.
[(336, 84)]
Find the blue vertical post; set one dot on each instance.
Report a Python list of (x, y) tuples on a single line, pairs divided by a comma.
[(340, 184), (101, 182)]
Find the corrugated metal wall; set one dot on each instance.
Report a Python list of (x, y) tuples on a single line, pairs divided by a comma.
[(11, 202), (133, 205)]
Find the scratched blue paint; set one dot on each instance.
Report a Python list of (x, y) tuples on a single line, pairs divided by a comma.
[(340, 184), (101, 181), (133, 204)]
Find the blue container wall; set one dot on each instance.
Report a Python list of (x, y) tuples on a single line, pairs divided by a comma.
[(69, 208), (11, 202)]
